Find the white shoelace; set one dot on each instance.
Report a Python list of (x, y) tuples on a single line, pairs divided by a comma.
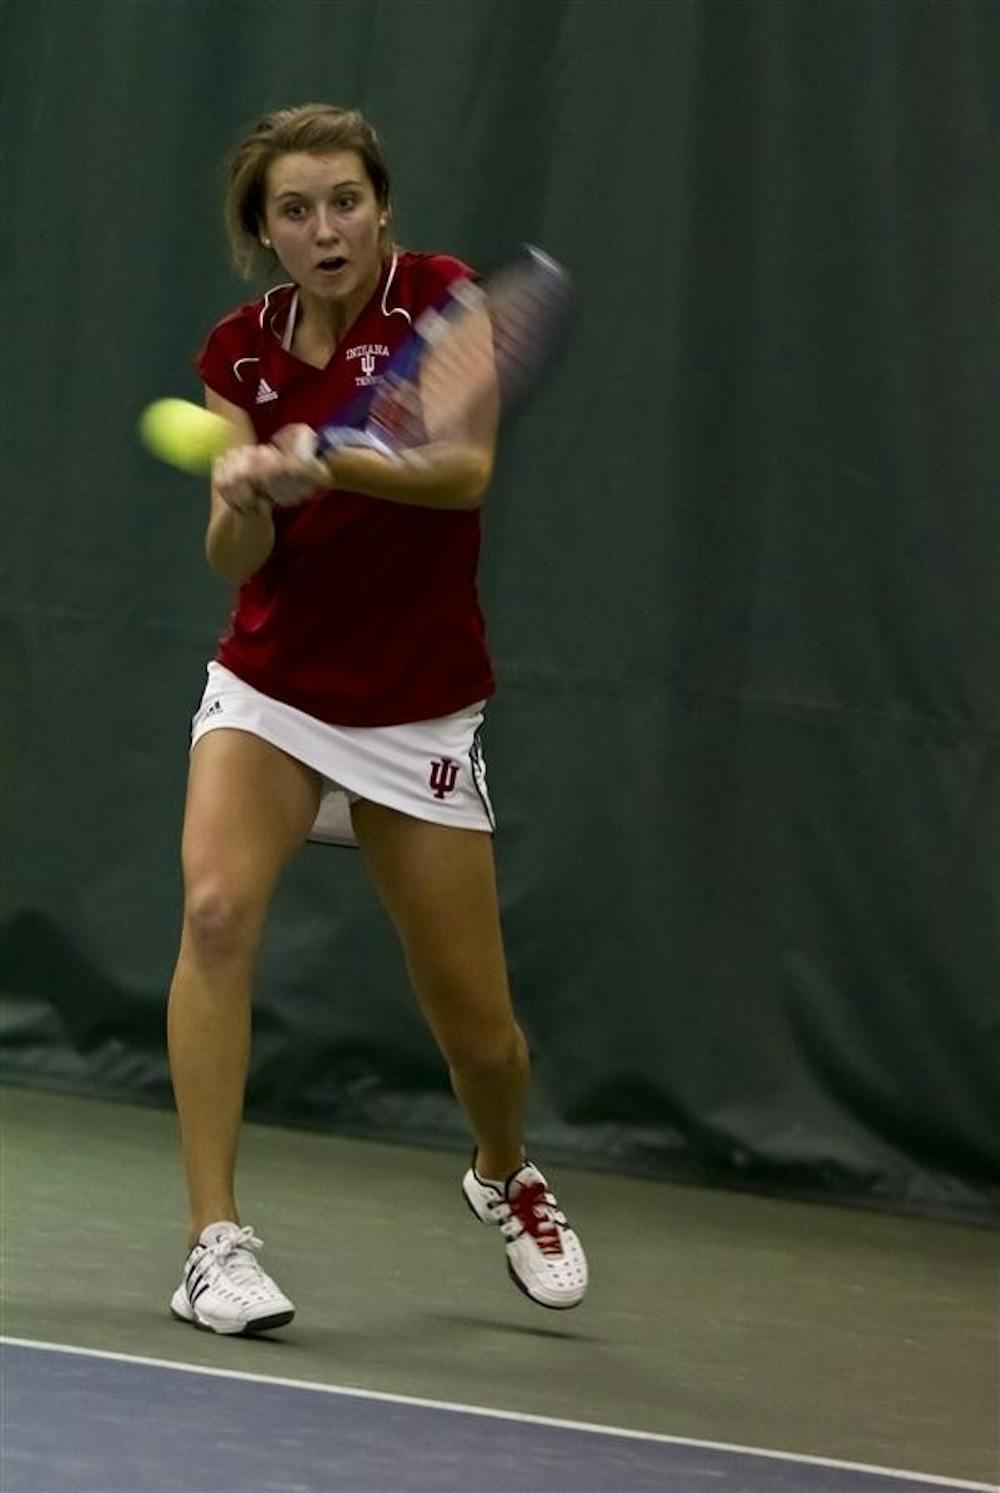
[(235, 1254)]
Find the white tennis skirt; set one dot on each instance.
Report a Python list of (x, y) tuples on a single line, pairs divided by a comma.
[(430, 769)]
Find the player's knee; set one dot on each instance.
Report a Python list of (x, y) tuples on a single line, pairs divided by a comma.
[(219, 923), (484, 1048)]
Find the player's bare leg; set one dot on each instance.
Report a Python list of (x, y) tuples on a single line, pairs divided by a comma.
[(438, 886), (249, 808)]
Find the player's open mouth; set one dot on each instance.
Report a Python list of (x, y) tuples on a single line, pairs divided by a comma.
[(331, 266)]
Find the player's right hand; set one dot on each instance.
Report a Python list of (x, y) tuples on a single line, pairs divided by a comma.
[(237, 477)]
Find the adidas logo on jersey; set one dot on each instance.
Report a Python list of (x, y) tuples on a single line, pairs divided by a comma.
[(265, 393)]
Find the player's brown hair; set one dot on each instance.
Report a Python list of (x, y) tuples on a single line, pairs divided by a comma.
[(317, 129)]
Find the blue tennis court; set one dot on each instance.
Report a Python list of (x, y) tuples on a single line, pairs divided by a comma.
[(132, 1425)]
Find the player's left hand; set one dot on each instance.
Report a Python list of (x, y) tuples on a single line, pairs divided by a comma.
[(288, 469)]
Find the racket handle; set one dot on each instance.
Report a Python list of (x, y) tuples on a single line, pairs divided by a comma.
[(336, 437)]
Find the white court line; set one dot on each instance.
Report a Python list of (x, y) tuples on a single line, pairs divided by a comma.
[(536, 1420)]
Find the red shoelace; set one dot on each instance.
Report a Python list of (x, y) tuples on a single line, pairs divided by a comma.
[(535, 1211)]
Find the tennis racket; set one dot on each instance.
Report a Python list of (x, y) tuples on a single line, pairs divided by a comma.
[(465, 359)]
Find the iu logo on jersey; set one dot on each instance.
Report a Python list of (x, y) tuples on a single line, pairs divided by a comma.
[(366, 354), (444, 776)]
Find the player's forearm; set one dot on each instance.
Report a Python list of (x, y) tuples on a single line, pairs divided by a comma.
[(445, 474), (236, 544)]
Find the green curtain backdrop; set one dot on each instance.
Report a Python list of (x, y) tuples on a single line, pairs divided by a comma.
[(742, 569)]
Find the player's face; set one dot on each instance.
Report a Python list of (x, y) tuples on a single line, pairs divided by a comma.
[(325, 223)]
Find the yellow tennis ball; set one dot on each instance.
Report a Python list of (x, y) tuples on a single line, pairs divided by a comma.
[(184, 434)]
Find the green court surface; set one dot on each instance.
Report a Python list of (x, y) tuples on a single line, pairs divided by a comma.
[(829, 1332)]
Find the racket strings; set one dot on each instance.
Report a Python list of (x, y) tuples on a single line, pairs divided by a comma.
[(525, 317), (482, 349)]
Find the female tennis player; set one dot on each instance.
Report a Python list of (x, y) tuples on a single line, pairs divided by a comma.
[(345, 699)]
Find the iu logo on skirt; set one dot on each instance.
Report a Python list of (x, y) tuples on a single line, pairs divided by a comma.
[(444, 775)]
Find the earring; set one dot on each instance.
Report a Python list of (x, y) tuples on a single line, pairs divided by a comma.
[(266, 242)]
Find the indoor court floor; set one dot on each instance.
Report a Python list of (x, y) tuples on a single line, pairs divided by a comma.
[(729, 1342)]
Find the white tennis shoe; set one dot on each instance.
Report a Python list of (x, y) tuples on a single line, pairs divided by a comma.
[(545, 1259), (224, 1289)]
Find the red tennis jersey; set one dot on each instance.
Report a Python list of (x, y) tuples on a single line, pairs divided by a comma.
[(366, 612)]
